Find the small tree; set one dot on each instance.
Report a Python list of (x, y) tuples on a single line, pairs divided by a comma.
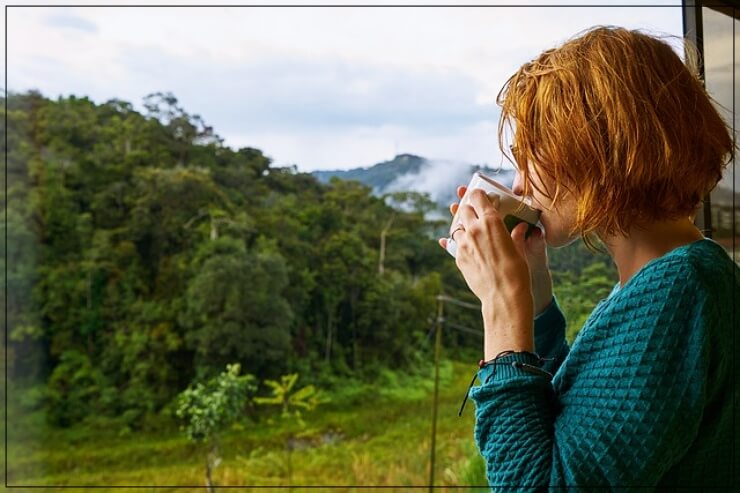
[(291, 403), (207, 410)]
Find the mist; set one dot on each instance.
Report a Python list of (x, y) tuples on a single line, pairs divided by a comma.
[(440, 178)]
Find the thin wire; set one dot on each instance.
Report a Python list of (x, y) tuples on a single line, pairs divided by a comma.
[(429, 334), (457, 302), (463, 328)]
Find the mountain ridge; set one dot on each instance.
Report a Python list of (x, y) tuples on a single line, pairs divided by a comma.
[(409, 172)]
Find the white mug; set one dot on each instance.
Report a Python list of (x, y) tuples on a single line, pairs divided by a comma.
[(513, 209)]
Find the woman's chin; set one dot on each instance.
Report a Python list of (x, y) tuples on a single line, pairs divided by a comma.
[(553, 242), (557, 240)]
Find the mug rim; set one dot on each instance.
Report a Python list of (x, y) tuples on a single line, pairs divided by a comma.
[(501, 187)]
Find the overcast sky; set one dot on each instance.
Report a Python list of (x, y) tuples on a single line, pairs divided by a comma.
[(321, 88)]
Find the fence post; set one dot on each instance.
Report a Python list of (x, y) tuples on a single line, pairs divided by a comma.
[(437, 352)]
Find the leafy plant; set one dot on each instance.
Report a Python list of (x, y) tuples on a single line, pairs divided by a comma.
[(209, 409), (291, 404)]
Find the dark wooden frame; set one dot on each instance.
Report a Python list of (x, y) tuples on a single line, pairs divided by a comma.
[(693, 30)]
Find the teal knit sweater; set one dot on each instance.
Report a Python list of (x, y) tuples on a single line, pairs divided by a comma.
[(643, 398)]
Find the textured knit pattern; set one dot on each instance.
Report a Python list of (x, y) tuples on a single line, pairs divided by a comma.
[(643, 398)]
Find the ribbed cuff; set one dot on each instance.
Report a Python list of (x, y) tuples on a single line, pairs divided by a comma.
[(547, 310), (503, 369)]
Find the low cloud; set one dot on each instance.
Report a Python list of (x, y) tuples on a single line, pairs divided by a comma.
[(437, 178), (440, 179)]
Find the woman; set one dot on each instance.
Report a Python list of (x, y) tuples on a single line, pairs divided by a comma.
[(616, 141)]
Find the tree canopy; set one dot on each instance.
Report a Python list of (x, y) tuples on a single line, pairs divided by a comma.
[(144, 255)]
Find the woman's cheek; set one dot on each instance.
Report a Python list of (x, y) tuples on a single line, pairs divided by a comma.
[(552, 233)]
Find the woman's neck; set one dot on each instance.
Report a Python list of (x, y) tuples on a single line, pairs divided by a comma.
[(630, 253)]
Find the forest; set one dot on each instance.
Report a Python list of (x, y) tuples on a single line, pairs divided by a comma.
[(144, 255)]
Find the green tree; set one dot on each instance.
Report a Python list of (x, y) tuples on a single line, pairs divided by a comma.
[(578, 294), (74, 389), (234, 308), (182, 131), (209, 409)]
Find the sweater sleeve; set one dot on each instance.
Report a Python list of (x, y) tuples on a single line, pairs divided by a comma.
[(549, 336), (632, 405)]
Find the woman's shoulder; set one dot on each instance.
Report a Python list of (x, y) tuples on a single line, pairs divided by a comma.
[(687, 283), (703, 265), (705, 268), (711, 263), (682, 296)]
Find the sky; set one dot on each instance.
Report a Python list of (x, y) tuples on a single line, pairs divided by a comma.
[(315, 87)]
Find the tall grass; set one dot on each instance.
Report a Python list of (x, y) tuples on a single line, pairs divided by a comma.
[(371, 435)]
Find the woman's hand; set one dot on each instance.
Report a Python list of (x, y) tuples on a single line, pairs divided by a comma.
[(495, 269), (535, 251)]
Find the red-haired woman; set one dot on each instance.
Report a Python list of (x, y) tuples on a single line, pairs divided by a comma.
[(617, 142)]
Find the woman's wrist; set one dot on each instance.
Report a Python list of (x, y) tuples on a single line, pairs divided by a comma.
[(542, 291), (507, 329), (491, 350)]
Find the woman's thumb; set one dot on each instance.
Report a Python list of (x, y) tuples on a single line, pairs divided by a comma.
[(536, 241), (536, 248)]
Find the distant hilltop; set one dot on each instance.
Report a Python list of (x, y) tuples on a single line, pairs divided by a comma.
[(408, 172)]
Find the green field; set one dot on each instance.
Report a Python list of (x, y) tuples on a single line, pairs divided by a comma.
[(368, 436)]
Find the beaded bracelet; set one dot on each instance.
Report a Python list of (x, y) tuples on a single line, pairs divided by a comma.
[(516, 364)]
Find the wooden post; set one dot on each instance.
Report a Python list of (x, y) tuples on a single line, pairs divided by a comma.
[(437, 353)]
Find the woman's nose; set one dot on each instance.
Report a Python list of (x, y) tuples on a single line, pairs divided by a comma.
[(517, 187)]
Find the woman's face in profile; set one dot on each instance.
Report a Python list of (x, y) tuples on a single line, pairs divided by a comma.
[(558, 218)]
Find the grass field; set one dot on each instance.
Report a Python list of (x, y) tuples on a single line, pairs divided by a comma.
[(377, 435)]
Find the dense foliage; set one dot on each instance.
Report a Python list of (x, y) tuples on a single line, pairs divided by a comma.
[(143, 255), (207, 409)]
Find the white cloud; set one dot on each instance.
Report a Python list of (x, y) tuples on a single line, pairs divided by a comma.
[(365, 146), (320, 87)]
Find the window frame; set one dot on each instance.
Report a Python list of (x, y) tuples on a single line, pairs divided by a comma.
[(693, 30)]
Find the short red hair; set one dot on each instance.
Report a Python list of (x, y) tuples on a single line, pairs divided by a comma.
[(616, 118)]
